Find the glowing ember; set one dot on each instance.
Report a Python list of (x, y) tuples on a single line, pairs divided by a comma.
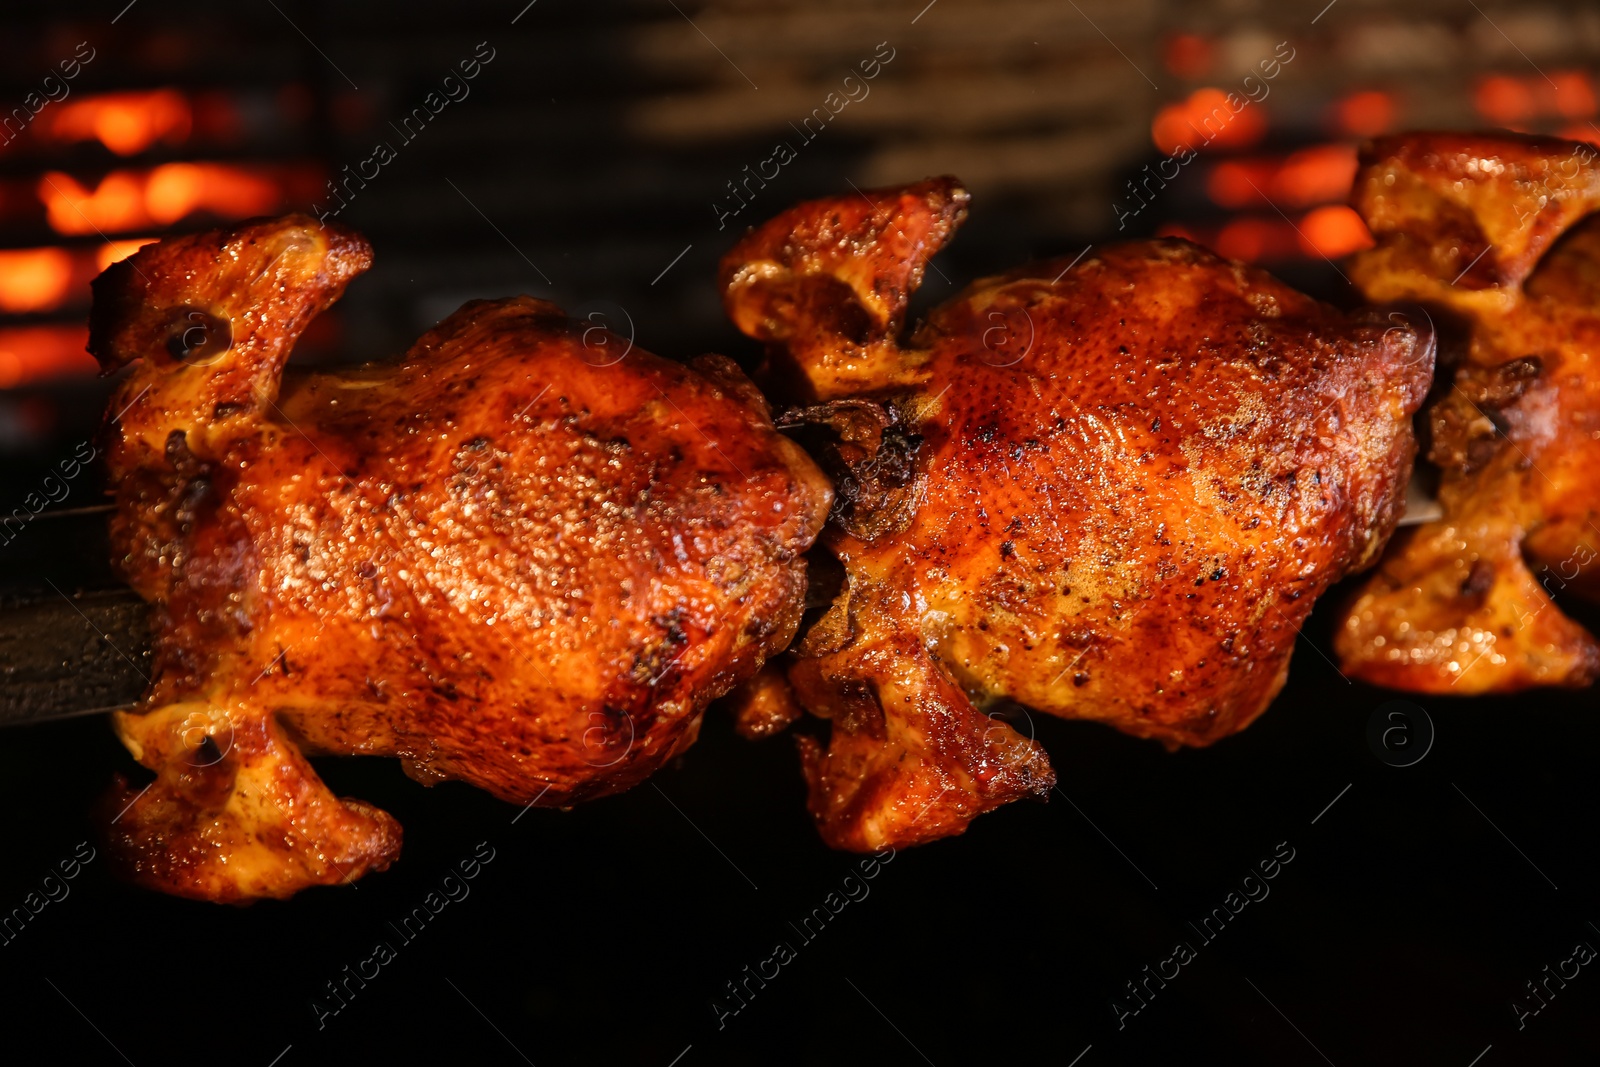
[(1364, 114), (132, 200), (1570, 94), (1509, 101), (34, 279), (1236, 183), (1333, 231), (1504, 100), (1328, 232), (117, 203), (179, 188), (1253, 239), (1316, 175), (1312, 176), (126, 123), (1207, 120), (29, 353)]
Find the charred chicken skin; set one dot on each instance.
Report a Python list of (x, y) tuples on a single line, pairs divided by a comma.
[(1489, 232), (1109, 489), (508, 558)]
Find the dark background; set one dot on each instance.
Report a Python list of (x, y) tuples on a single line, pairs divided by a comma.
[(586, 158)]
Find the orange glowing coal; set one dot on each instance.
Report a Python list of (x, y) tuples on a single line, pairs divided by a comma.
[(1236, 183), (130, 200), (1570, 94), (1504, 100), (1327, 232), (126, 123), (1333, 231), (1208, 118), (1364, 114), (34, 279), (30, 353), (1315, 175), (1253, 240), (1509, 101)]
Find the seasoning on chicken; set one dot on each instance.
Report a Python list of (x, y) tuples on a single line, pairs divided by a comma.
[(508, 558), (1106, 489), (1489, 232)]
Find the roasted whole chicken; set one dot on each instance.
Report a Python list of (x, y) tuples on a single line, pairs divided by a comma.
[(509, 558), (1493, 234), (1109, 489)]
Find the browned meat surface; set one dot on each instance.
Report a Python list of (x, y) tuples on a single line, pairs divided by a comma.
[(1110, 490), (501, 559), (1485, 230)]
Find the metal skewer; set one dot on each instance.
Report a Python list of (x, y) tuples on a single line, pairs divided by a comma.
[(63, 657)]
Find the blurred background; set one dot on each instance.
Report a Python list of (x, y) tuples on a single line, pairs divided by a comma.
[(601, 155), (601, 139)]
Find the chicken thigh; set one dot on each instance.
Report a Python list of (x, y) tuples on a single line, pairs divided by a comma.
[(1107, 489), (1487, 230), (511, 558)]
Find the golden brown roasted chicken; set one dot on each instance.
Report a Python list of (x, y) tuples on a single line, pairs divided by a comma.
[(1107, 490), (508, 558), (1489, 232)]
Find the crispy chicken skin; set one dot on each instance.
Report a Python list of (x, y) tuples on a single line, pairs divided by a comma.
[(507, 558), (1486, 231), (1109, 489)]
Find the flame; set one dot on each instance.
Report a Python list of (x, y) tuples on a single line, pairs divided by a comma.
[(126, 123), (130, 200), (34, 279), (28, 353), (1205, 120)]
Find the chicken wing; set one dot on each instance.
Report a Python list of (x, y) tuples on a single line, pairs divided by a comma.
[(1107, 489), (510, 558), (1489, 232)]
